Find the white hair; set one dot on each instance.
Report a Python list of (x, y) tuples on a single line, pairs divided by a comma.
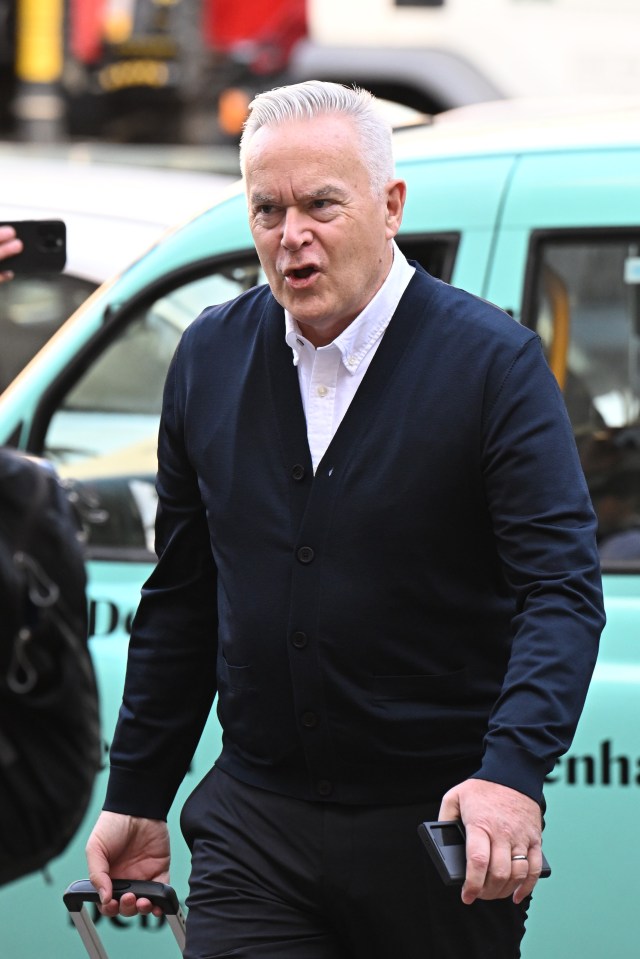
[(313, 98)]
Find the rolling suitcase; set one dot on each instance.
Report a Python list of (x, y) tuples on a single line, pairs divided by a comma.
[(82, 891)]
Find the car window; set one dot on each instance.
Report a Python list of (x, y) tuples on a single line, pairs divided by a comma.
[(583, 297), (31, 310), (102, 435), (435, 252)]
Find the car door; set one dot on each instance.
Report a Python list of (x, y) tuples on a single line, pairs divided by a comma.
[(567, 264), (96, 420), (32, 308)]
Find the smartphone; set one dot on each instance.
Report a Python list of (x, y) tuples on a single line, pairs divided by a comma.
[(446, 844), (44, 246)]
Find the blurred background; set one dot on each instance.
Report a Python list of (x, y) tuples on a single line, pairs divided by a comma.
[(183, 71), (122, 117)]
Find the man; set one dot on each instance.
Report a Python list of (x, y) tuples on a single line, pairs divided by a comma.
[(376, 545)]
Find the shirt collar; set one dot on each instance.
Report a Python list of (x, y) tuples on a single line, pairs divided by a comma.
[(364, 332)]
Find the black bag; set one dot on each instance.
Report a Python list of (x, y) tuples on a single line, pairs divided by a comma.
[(50, 746)]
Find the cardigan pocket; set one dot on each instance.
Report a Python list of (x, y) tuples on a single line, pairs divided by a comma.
[(407, 719), (236, 678)]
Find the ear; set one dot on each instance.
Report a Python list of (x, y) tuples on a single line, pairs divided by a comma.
[(396, 194)]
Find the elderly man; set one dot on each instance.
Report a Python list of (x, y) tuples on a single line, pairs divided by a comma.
[(377, 548)]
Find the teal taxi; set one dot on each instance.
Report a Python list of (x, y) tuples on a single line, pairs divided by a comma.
[(534, 207)]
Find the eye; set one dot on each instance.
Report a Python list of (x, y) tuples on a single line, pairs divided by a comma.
[(321, 205)]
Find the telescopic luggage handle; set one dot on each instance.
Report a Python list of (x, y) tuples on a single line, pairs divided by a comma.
[(160, 894)]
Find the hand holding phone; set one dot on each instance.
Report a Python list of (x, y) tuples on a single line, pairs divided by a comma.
[(446, 844), (44, 245)]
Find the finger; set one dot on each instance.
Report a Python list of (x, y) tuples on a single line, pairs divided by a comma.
[(519, 867), (101, 881), (534, 867), (478, 859), (6, 275), (504, 867), (144, 906), (128, 904), (519, 873), (498, 882), (10, 247), (99, 871), (449, 807)]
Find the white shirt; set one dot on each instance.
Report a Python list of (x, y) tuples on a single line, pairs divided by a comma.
[(330, 375)]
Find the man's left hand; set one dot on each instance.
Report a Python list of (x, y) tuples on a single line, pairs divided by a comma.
[(501, 823)]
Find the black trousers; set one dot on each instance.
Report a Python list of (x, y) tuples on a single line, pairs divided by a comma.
[(279, 878)]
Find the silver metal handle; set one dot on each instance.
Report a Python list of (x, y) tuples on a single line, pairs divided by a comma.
[(160, 894)]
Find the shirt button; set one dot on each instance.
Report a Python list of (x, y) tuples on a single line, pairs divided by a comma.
[(322, 390), (352, 360), (299, 639), (305, 554), (298, 472), (309, 720), (324, 787)]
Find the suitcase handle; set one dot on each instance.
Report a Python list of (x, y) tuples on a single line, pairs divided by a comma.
[(159, 893)]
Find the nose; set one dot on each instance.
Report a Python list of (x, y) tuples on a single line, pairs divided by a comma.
[(295, 230)]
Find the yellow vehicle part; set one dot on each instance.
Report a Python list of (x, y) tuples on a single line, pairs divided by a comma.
[(558, 296), (40, 38)]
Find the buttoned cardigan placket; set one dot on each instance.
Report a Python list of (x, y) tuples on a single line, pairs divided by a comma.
[(311, 500)]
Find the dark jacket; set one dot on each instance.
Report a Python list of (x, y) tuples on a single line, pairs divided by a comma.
[(427, 607)]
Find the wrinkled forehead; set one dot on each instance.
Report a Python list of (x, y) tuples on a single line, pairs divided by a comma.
[(306, 157), (334, 133)]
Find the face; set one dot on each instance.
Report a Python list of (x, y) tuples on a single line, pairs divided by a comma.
[(323, 238)]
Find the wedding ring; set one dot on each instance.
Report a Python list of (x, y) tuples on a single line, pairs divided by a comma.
[(518, 858)]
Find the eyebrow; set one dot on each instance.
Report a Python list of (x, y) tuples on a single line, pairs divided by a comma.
[(328, 190)]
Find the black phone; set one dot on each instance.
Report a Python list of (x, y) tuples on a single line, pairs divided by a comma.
[(44, 247), (446, 844)]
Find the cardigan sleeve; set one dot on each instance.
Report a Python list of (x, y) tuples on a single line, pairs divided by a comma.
[(545, 527), (170, 680)]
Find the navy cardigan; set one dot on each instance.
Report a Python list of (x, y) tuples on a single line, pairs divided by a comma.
[(427, 607)]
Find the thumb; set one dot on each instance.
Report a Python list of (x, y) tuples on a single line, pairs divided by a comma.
[(99, 875), (449, 807), (102, 883)]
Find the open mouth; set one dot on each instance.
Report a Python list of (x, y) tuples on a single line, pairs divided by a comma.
[(302, 274)]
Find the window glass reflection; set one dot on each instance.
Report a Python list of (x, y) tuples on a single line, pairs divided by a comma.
[(587, 311)]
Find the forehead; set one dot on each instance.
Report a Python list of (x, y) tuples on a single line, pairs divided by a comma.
[(323, 149)]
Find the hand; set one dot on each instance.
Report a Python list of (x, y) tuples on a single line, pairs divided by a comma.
[(9, 246), (125, 847), (500, 823)]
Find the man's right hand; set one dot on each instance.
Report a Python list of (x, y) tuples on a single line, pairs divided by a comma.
[(125, 847)]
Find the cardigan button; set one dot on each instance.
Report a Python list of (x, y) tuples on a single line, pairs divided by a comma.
[(305, 554), (298, 472), (324, 787)]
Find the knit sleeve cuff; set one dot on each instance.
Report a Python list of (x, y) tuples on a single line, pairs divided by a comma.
[(509, 765), (136, 794)]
